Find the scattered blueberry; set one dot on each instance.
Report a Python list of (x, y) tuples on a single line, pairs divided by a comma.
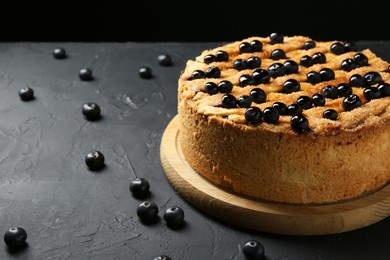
[(371, 93), (337, 48), (318, 57), (59, 53), (348, 64), (85, 74), (164, 60), (244, 101), (358, 81), (306, 61), (209, 58), (291, 85), (139, 187), (304, 102), (384, 88), (330, 91), (276, 70), (270, 115), (291, 66), (261, 76), (330, 114), (351, 102), (222, 56), (318, 100), (147, 211), (26, 94), (294, 109), (198, 74), (256, 45), (229, 101), (225, 86), (240, 64), (253, 115), (95, 160), (344, 90), (309, 45), (91, 111), (246, 80), (361, 59), (253, 250), (254, 62), (299, 124), (276, 37), (245, 47), (145, 72), (211, 88), (327, 74), (15, 237), (372, 77), (174, 216), (258, 95), (213, 72), (314, 77), (278, 54), (281, 107)]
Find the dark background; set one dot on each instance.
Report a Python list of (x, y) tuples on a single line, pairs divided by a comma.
[(192, 21)]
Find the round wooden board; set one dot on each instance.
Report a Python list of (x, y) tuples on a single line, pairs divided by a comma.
[(269, 217)]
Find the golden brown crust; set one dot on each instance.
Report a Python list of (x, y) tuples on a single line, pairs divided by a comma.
[(336, 160)]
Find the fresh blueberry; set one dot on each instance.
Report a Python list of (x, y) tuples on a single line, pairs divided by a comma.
[(318, 57), (85, 74), (139, 187), (372, 77), (240, 64), (371, 93), (278, 54), (360, 59), (253, 115), (245, 47), (281, 107), (225, 86), (318, 100), (337, 48), (314, 77), (15, 237), (276, 70), (304, 102), (294, 109), (198, 74), (306, 61), (299, 124), (349, 46), (384, 89), (222, 55), (147, 211), (330, 114), (246, 80), (213, 72), (258, 95), (351, 102), (344, 90), (253, 250), (291, 66), (348, 64), (276, 37), (309, 45), (209, 58), (244, 101), (330, 91), (95, 160), (270, 115), (174, 216), (358, 81), (256, 45), (211, 88), (59, 53), (91, 111), (261, 76), (327, 74), (291, 85), (26, 94), (164, 59), (229, 101), (254, 62)]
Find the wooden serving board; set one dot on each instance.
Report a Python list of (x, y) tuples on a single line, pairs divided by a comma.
[(263, 216)]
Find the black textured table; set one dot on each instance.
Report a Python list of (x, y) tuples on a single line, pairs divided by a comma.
[(70, 212)]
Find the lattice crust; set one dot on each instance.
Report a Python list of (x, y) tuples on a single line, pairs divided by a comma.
[(371, 112)]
